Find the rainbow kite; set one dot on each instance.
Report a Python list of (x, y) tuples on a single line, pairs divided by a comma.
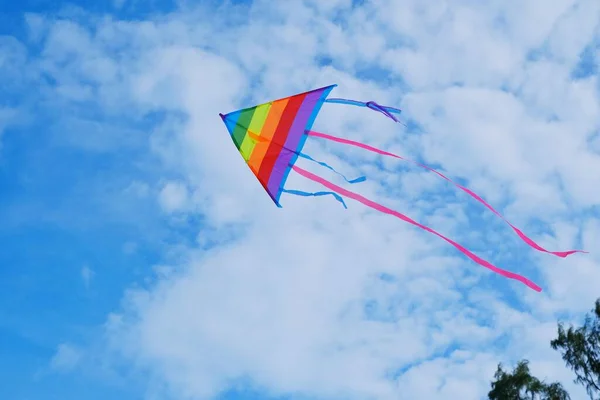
[(270, 138)]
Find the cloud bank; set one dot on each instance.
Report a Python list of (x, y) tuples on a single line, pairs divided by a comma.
[(314, 301)]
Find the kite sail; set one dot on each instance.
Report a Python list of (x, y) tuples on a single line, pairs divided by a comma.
[(270, 138)]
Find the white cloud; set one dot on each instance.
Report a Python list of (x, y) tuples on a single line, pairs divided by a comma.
[(173, 197), (87, 274), (66, 357), (138, 189), (295, 302)]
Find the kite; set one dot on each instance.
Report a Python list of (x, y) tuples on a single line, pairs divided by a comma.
[(270, 138)]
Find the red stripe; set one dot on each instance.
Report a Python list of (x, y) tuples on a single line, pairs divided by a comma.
[(385, 210), (279, 137)]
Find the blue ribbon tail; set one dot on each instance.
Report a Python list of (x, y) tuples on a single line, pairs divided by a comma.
[(356, 180), (387, 111), (346, 101), (308, 194)]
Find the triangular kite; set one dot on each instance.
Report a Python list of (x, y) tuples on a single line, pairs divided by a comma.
[(270, 138)]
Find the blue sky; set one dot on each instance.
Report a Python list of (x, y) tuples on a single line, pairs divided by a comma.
[(134, 262), (62, 215)]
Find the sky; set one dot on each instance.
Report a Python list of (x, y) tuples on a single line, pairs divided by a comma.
[(141, 259)]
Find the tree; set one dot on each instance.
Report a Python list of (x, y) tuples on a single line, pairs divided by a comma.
[(580, 349), (520, 385)]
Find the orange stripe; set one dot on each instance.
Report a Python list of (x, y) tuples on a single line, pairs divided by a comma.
[(266, 134), (255, 137)]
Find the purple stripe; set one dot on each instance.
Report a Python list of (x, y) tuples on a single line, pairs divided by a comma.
[(293, 140)]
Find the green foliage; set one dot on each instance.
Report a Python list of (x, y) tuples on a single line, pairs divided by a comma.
[(520, 385), (580, 349)]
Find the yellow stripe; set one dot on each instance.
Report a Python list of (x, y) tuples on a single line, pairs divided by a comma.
[(258, 120), (267, 134)]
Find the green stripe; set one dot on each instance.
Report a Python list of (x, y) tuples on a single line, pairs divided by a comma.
[(256, 125), (242, 126)]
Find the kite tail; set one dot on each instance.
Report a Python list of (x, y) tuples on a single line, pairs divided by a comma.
[(383, 209), (523, 237), (315, 194), (385, 110), (321, 163)]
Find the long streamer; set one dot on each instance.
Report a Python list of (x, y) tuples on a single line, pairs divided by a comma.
[(315, 194), (329, 167), (524, 237), (383, 209), (385, 110)]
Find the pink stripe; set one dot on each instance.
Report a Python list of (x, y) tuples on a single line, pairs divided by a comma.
[(524, 237), (383, 209)]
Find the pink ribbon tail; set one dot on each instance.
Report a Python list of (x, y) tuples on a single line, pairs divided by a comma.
[(520, 233), (385, 210)]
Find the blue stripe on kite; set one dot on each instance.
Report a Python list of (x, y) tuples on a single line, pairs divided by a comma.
[(303, 138)]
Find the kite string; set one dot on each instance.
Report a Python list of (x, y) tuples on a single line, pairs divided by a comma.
[(385, 210), (523, 237)]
